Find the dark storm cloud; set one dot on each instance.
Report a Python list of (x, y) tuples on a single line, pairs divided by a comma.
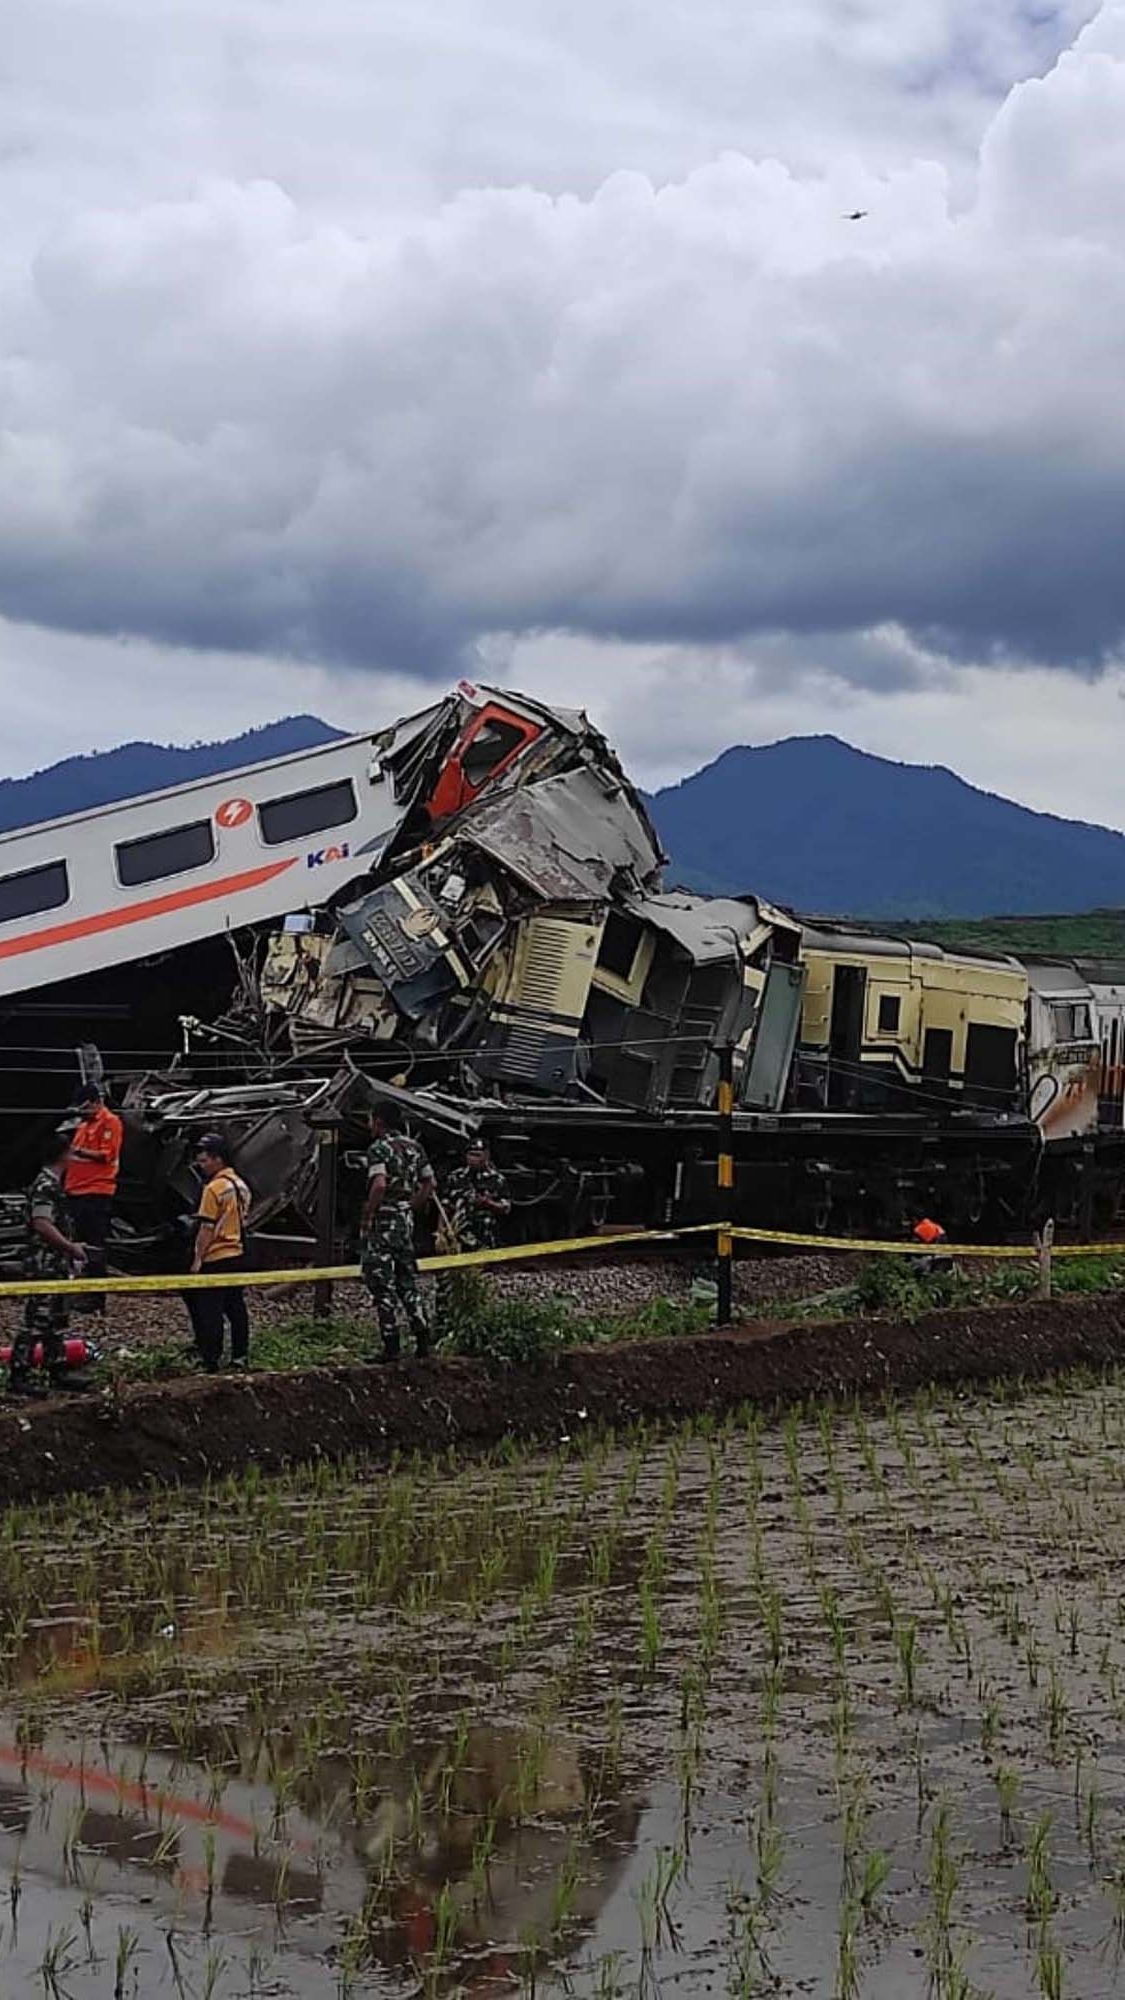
[(687, 413)]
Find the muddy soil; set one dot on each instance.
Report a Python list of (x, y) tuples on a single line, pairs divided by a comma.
[(190, 1430)]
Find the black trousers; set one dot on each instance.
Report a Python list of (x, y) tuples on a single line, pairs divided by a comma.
[(90, 1214), (210, 1309)]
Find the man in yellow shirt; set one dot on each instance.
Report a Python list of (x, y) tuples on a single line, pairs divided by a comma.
[(220, 1250)]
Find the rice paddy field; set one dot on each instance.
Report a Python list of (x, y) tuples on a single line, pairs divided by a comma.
[(827, 1703)]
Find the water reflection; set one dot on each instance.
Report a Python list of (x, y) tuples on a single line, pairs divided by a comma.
[(476, 1826)]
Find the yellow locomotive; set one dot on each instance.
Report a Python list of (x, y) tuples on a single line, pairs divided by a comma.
[(888, 1020)]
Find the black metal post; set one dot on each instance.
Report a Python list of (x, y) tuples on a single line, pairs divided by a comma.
[(724, 1245), (326, 1148)]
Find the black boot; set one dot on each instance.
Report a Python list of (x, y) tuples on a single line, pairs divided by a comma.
[(69, 1382), (21, 1382)]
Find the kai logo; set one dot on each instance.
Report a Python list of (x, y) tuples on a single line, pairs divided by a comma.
[(233, 812), (320, 855)]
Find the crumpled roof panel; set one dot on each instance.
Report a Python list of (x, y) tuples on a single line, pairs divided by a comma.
[(708, 929), (567, 838)]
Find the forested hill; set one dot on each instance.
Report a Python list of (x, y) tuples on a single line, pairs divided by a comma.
[(101, 779), (812, 823)]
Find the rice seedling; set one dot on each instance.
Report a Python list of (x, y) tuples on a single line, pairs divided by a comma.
[(847, 1983), (651, 1636), (1056, 1711), (944, 1879), (1007, 1792), (446, 1923), (872, 1881), (657, 1923), (906, 1648), (59, 1959), (1040, 1889), (125, 1957), (1049, 1970), (564, 1893)]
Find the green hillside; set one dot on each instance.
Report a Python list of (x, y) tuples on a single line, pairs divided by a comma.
[(1089, 934)]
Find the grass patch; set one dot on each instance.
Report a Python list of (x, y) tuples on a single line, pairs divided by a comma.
[(893, 1287), (525, 1332), (509, 1332)]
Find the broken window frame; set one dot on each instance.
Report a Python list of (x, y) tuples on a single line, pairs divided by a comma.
[(454, 790)]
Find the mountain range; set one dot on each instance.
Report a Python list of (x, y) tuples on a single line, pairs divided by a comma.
[(809, 822), (80, 783)]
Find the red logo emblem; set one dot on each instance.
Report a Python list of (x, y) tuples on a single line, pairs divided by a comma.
[(234, 812)]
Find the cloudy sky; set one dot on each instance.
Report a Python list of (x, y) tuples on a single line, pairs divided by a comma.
[(346, 349)]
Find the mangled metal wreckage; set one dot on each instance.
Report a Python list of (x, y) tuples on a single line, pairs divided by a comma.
[(531, 949), (490, 937), (509, 961)]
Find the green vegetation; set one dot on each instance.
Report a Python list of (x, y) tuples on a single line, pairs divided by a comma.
[(477, 1321), (530, 1332), (895, 1288), (1088, 934)]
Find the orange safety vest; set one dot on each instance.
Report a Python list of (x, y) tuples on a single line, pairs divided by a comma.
[(929, 1232), (100, 1133)]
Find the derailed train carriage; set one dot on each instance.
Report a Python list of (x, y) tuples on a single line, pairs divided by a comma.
[(470, 908)]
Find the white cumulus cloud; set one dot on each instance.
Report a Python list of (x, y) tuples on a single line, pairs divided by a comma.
[(383, 338)]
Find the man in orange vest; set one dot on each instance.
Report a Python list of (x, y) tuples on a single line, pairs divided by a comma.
[(91, 1183)]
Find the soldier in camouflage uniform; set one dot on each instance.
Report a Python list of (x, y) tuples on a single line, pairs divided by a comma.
[(51, 1253), (476, 1199), (400, 1180)]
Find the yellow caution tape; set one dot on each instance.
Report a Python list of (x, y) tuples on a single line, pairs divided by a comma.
[(891, 1249), (524, 1253), (1022, 1251), (509, 1253)]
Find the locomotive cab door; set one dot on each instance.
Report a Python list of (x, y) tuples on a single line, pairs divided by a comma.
[(845, 1036)]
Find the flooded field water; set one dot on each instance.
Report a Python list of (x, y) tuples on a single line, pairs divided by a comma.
[(832, 1705)]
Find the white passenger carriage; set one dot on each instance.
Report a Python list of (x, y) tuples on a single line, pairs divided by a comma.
[(124, 882)]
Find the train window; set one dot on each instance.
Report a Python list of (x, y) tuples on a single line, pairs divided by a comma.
[(158, 855), (493, 741), (621, 938), (890, 1007), (300, 814), (1071, 1020), (32, 890)]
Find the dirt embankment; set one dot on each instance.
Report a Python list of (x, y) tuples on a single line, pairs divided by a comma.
[(187, 1430)]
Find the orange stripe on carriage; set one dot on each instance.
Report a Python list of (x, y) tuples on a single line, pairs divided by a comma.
[(154, 906)]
